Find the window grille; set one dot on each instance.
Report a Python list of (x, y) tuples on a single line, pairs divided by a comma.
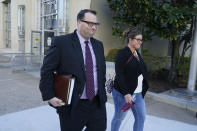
[(7, 25), (21, 20)]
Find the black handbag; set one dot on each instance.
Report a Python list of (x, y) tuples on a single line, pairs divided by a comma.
[(110, 82)]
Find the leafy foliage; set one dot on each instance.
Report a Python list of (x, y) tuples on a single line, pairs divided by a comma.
[(156, 18), (166, 19), (111, 55)]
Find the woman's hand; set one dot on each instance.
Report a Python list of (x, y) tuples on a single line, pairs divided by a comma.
[(128, 98)]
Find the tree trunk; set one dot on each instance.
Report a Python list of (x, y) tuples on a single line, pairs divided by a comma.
[(184, 50), (174, 60)]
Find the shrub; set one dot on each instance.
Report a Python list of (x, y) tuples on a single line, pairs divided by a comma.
[(111, 55), (183, 71), (155, 63)]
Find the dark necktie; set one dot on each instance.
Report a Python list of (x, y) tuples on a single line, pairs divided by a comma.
[(90, 93)]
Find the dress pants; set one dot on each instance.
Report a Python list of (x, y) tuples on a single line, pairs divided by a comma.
[(88, 114)]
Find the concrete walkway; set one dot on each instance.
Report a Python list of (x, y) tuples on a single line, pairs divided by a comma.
[(44, 118), (22, 109)]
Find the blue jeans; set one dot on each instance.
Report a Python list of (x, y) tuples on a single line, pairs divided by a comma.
[(138, 110)]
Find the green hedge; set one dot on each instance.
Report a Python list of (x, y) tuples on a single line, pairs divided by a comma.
[(111, 55), (183, 71), (156, 64)]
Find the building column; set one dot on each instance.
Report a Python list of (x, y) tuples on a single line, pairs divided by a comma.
[(193, 63)]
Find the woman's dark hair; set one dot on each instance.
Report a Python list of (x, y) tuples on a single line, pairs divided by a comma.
[(131, 32), (81, 14)]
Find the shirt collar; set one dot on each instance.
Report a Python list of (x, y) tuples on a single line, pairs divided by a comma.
[(135, 52), (81, 39)]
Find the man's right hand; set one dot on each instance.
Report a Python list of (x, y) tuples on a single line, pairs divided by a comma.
[(56, 102)]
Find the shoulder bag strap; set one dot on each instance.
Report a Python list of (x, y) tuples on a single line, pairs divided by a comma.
[(130, 58)]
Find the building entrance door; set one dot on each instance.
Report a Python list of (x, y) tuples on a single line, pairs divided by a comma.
[(36, 42), (48, 35)]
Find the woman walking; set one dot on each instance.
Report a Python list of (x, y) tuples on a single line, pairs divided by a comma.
[(130, 85)]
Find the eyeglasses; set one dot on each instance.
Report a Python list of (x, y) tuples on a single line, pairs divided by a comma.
[(90, 24), (138, 40)]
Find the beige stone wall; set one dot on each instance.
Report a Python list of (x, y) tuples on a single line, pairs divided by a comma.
[(32, 21), (104, 32), (74, 7), (14, 22)]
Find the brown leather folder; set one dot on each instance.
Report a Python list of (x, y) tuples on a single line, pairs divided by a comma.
[(63, 87)]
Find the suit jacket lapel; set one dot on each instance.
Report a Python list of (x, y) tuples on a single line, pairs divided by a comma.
[(96, 51), (78, 50)]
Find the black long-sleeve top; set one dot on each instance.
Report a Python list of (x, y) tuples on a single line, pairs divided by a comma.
[(126, 79)]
